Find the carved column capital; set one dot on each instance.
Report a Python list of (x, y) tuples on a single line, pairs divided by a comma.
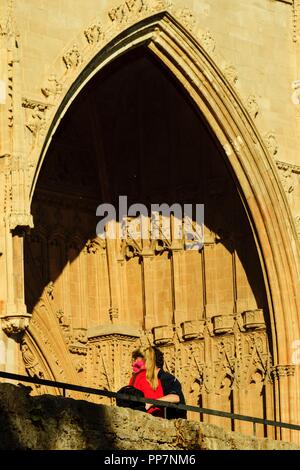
[(20, 220), (113, 313), (283, 371), (15, 325), (163, 334)]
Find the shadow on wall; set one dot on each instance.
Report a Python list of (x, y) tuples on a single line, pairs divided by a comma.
[(132, 131), (51, 423)]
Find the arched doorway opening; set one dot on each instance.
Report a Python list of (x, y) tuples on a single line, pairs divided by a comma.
[(133, 131)]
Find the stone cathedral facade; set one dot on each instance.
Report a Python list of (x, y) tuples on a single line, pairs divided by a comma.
[(180, 101)]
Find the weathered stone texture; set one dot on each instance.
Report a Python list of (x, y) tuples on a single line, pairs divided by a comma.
[(53, 423)]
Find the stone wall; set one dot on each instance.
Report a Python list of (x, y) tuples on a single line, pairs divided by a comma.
[(251, 41), (55, 423)]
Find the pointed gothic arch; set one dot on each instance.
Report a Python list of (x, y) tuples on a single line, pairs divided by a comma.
[(254, 171)]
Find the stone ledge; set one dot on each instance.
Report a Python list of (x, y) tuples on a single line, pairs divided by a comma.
[(55, 423), (107, 330)]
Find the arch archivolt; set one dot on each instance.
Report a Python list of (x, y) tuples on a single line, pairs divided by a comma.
[(43, 349), (172, 36)]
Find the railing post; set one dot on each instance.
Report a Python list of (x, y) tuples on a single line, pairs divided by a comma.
[(254, 428)]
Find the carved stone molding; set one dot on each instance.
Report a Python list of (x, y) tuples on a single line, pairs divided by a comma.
[(221, 363), (208, 42), (288, 167), (7, 20), (163, 334), (50, 289), (97, 245), (72, 58), (53, 88), (112, 336), (113, 314), (108, 330), (78, 349), (130, 249), (163, 237), (159, 5), (223, 324), (297, 222), (94, 33), (271, 143), (287, 182), (44, 331), (296, 20), (289, 176), (109, 355), (296, 92), (254, 319), (252, 106), (36, 118), (4, 27), (31, 361), (15, 325), (79, 365), (20, 220), (122, 11), (283, 371), (10, 94), (230, 73), (193, 329), (80, 336), (32, 104), (187, 18)]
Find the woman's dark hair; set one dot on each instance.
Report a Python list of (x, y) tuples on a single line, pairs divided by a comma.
[(136, 353)]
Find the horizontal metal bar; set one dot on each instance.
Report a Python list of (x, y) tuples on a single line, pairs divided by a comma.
[(106, 393)]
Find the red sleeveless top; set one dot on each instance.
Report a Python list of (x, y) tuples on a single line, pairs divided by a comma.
[(141, 383)]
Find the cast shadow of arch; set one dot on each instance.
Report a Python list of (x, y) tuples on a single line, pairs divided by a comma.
[(134, 131)]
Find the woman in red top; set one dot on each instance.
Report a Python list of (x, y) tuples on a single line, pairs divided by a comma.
[(155, 383)]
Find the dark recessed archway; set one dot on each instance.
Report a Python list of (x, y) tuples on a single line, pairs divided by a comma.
[(133, 131)]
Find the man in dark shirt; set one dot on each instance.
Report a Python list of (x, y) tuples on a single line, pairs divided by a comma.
[(171, 385)]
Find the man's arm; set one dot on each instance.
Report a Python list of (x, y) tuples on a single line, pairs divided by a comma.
[(171, 397)]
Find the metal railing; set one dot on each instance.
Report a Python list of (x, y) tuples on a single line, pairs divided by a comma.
[(163, 404)]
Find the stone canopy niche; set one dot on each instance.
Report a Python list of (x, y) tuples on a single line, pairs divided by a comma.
[(133, 131)]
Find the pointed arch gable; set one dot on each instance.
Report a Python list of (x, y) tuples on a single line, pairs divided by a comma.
[(252, 166)]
